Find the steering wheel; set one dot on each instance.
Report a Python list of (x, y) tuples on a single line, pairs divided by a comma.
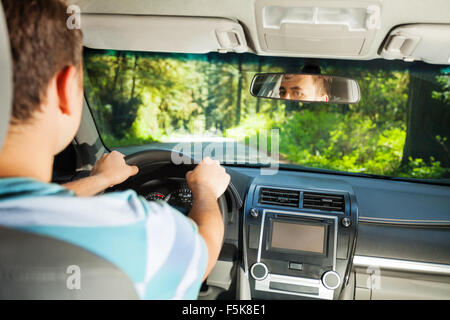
[(150, 163)]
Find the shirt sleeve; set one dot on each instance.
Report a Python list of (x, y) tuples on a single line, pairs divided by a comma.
[(176, 254), (158, 247)]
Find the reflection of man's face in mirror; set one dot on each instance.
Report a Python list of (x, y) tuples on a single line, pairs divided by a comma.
[(304, 87)]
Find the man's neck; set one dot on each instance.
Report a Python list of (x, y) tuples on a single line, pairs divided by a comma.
[(26, 153)]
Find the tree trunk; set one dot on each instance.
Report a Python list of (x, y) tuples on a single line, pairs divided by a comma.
[(239, 92), (210, 101), (123, 67), (426, 118), (134, 76), (116, 72), (258, 100)]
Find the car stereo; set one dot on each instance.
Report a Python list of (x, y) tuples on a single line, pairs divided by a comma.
[(294, 253)]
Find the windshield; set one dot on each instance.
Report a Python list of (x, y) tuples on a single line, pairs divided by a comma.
[(400, 127)]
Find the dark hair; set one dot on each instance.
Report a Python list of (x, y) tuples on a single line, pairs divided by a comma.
[(41, 46), (323, 84)]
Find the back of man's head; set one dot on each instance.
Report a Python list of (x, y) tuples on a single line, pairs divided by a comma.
[(41, 45)]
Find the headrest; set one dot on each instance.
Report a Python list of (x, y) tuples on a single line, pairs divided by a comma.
[(6, 80)]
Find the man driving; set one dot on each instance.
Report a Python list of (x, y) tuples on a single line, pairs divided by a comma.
[(165, 254), (305, 87)]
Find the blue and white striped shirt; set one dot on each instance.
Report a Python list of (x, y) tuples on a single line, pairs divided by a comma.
[(155, 245)]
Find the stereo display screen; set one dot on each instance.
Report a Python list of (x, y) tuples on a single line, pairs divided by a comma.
[(296, 236)]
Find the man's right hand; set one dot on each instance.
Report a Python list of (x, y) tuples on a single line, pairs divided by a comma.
[(208, 178), (208, 181)]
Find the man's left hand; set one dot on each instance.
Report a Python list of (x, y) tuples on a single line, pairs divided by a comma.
[(113, 168)]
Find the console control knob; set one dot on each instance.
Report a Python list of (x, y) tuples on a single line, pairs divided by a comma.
[(254, 212), (259, 271), (331, 280), (346, 222)]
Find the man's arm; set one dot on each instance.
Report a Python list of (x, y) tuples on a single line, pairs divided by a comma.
[(208, 181), (110, 170)]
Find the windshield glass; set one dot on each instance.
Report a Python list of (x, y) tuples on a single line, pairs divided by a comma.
[(399, 128)]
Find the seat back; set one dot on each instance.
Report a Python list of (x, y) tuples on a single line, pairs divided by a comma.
[(39, 267), (6, 79)]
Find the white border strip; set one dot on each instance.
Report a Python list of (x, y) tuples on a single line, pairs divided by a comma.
[(401, 265)]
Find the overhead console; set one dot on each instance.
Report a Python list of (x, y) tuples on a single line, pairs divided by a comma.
[(337, 28), (298, 241)]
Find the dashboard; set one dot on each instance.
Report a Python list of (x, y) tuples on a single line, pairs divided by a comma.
[(300, 235), (299, 240), (287, 249)]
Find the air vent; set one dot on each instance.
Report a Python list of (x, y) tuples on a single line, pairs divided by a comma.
[(320, 201), (279, 197)]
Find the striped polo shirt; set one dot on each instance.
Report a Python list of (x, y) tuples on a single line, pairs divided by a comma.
[(154, 244)]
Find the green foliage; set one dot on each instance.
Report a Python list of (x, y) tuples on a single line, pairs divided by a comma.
[(250, 126), (127, 140), (340, 142), (443, 95), (418, 168)]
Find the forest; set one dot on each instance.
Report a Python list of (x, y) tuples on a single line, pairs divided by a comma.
[(400, 127)]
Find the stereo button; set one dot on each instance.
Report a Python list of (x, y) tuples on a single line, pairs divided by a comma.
[(259, 271), (296, 266), (331, 280)]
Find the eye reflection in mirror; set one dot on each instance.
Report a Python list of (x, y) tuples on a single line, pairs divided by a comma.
[(305, 88)]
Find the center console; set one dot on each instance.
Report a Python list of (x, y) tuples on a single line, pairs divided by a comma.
[(298, 243)]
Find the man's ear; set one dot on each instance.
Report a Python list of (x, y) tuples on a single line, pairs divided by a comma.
[(65, 80)]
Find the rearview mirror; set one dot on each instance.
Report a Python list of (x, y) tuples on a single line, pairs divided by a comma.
[(305, 88)]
